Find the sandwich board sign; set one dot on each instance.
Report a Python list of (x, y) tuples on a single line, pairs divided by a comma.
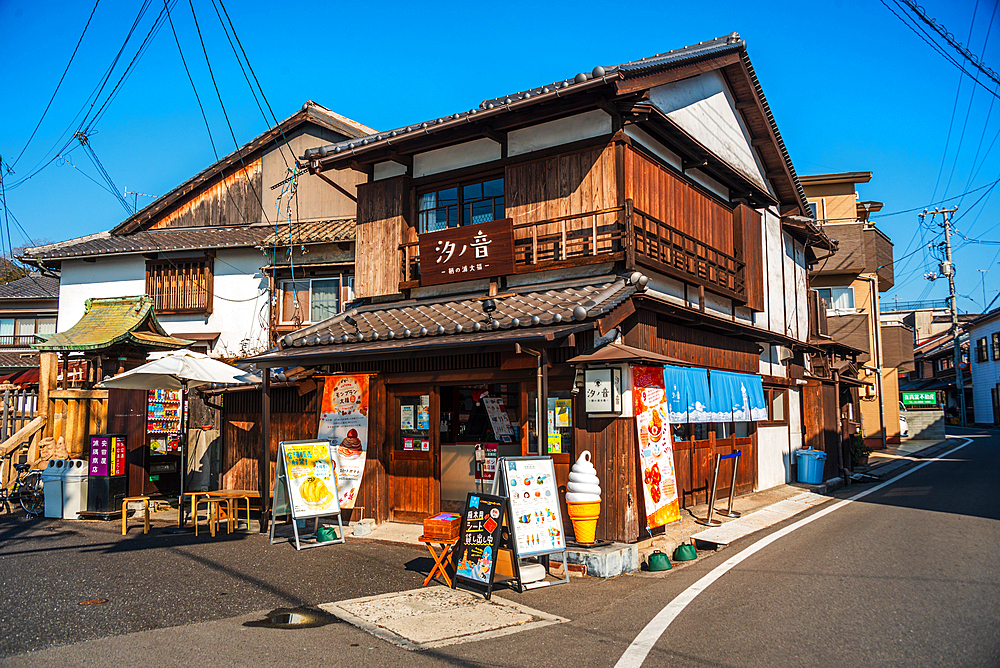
[(480, 541), (536, 525), (305, 487)]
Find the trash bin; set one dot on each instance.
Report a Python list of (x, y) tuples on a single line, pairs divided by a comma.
[(52, 480), (74, 494), (810, 466)]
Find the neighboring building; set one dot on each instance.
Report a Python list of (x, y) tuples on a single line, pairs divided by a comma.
[(215, 253), (648, 213), (934, 371), (28, 308), (850, 281), (984, 339)]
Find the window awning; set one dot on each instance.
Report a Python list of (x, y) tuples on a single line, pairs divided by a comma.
[(737, 397), (688, 397)]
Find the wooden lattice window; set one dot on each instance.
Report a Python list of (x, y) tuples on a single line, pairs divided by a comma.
[(180, 286)]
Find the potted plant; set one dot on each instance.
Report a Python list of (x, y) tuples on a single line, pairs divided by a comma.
[(859, 451)]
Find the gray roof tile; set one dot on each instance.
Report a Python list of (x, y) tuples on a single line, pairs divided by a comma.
[(31, 287), (188, 238), (526, 307)]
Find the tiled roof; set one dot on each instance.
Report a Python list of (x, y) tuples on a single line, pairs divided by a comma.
[(31, 287), (312, 232), (582, 81), (567, 302), (15, 359), (188, 238), (112, 321)]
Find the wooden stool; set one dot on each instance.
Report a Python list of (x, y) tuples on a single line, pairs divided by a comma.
[(145, 508), (212, 504), (440, 560), (194, 513)]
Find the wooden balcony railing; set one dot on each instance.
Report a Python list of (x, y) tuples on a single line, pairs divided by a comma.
[(18, 340), (672, 252), (608, 235)]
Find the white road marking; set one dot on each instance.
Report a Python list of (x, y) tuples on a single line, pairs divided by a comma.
[(636, 653)]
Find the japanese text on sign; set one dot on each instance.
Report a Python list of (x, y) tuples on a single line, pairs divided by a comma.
[(483, 250)]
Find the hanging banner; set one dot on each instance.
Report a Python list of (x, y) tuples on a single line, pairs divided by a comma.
[(343, 420), (656, 453), (499, 419)]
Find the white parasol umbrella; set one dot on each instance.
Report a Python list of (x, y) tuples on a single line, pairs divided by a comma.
[(180, 370)]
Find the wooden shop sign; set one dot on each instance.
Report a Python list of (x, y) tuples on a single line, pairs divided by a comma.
[(483, 250)]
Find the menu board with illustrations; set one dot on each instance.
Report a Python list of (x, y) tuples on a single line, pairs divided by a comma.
[(480, 541), (536, 519), (305, 487)]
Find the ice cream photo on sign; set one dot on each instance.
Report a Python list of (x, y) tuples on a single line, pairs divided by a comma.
[(583, 498)]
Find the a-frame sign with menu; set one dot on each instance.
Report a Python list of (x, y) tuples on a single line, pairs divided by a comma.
[(536, 526)]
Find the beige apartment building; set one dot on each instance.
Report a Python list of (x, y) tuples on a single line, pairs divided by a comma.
[(850, 281)]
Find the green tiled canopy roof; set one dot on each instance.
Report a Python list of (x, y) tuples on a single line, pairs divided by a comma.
[(111, 322)]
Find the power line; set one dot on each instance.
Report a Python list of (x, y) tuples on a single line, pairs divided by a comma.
[(218, 94), (58, 85)]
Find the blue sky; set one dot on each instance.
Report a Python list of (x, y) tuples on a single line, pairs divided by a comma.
[(852, 87)]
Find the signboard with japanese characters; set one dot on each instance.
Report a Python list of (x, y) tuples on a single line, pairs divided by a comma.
[(603, 390), (483, 250), (919, 398)]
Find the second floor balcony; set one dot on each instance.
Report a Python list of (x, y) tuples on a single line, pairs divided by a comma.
[(621, 234)]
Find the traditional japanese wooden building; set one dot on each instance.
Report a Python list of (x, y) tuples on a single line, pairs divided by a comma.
[(644, 214)]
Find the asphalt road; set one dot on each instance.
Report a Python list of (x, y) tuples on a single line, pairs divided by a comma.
[(905, 576)]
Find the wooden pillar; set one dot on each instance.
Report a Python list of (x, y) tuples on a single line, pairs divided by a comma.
[(48, 377), (264, 465), (543, 428)]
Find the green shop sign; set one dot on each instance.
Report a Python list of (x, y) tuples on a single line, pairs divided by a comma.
[(920, 398)]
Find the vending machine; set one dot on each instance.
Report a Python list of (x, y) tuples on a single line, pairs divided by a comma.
[(165, 420)]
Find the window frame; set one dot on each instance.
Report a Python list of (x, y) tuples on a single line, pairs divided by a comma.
[(20, 339), (160, 297), (830, 304), (996, 346), (346, 295), (460, 201), (770, 392), (982, 350)]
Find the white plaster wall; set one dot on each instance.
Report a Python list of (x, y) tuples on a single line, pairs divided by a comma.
[(654, 146), (707, 182), (445, 159), (387, 170), (985, 375), (562, 131), (117, 276), (704, 107), (788, 277), (240, 308), (773, 456), (801, 291), (774, 295)]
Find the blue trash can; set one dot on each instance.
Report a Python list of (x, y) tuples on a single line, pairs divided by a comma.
[(810, 466)]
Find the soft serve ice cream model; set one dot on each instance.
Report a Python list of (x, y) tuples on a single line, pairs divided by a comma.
[(583, 498)]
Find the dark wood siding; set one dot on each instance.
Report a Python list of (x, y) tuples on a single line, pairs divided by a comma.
[(749, 250), (657, 191), (612, 445), (235, 199), (382, 207), (127, 415), (695, 346), (562, 185)]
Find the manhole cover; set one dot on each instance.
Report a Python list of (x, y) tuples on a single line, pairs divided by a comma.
[(94, 601)]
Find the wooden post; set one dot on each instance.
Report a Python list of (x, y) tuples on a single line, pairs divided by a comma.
[(48, 375), (264, 465), (629, 236)]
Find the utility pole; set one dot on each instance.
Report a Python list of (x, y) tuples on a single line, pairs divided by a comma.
[(948, 269)]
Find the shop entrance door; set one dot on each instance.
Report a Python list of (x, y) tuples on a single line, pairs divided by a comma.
[(414, 485)]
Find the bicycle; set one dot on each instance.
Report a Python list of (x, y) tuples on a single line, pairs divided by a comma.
[(25, 488)]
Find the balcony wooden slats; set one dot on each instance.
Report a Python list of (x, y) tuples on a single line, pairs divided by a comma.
[(180, 286), (677, 254)]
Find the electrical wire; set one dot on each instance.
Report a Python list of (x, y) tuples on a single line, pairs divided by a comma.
[(218, 94), (58, 86)]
